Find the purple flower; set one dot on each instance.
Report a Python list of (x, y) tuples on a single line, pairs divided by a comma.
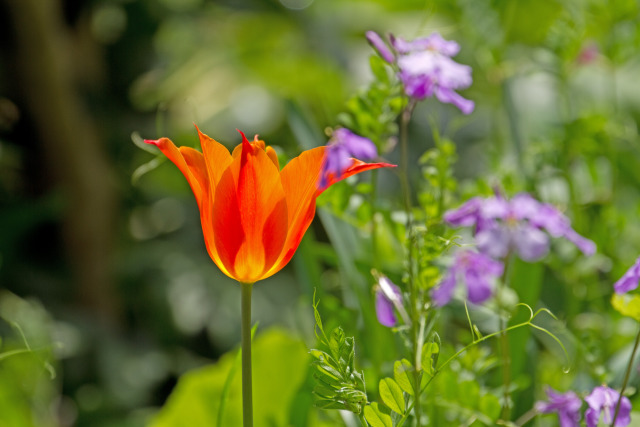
[(628, 281), (426, 68), (567, 406), (516, 225), (342, 146), (477, 271), (602, 402), (388, 299), (381, 46)]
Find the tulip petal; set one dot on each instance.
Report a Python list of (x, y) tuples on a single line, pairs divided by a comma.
[(250, 215), (356, 167), (190, 162), (299, 180), (216, 157)]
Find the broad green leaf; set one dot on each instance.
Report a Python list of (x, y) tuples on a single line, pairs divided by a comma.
[(374, 416), (391, 395), (627, 305), (403, 374), (280, 364)]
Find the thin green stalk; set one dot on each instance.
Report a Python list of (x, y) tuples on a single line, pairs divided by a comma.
[(363, 421), (413, 291), (626, 378), (504, 343), (247, 395), (374, 221)]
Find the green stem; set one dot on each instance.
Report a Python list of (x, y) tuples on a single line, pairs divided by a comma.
[(626, 378), (413, 291), (363, 421), (504, 341), (247, 395)]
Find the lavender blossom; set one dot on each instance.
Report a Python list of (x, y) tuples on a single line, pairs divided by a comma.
[(388, 299), (602, 402), (566, 405), (426, 68), (342, 146), (629, 280), (517, 225), (477, 271)]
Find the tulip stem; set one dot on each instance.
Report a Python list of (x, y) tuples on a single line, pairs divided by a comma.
[(626, 378), (247, 396)]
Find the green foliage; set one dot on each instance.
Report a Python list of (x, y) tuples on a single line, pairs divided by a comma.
[(377, 416), (27, 387), (339, 385), (391, 395), (372, 113), (280, 364)]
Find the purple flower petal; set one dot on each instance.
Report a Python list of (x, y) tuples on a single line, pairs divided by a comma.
[(433, 42), (477, 271), (384, 311), (357, 146), (344, 145), (448, 96), (586, 246), (530, 242), (523, 206), (495, 208), (442, 294), (566, 405), (602, 403), (466, 215), (494, 241), (629, 280), (379, 45)]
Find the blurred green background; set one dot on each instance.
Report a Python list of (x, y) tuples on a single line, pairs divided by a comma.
[(104, 273)]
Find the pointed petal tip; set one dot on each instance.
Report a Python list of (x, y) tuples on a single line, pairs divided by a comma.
[(244, 138), (155, 142)]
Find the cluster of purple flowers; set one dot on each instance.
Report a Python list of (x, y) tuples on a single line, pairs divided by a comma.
[(426, 68), (521, 225), (602, 404)]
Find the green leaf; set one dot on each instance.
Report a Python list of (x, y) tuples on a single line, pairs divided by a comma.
[(374, 416), (627, 305), (391, 395), (379, 69), (328, 375), (336, 342), (195, 401), (430, 352), (403, 374)]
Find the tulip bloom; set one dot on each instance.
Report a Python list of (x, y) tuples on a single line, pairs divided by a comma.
[(253, 214)]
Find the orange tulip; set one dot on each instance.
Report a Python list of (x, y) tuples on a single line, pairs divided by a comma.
[(253, 214)]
